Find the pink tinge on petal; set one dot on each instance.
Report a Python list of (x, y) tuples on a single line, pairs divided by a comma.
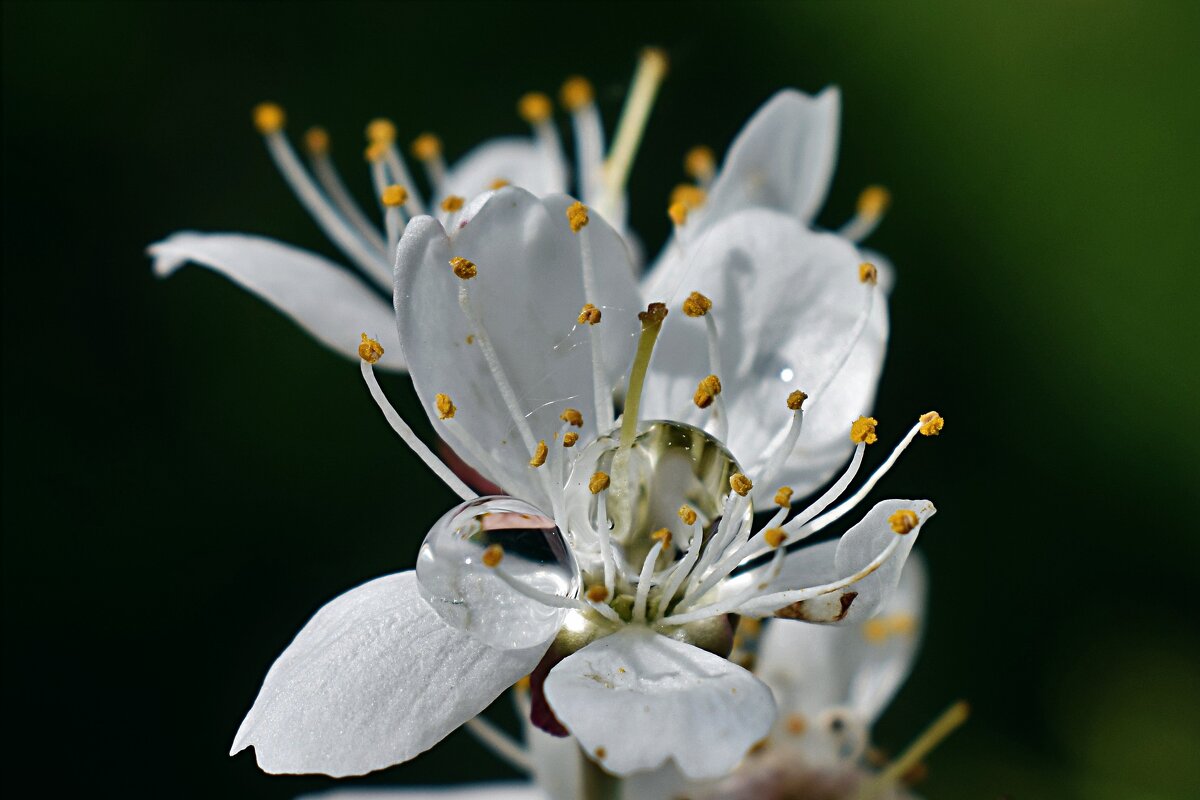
[(465, 471)]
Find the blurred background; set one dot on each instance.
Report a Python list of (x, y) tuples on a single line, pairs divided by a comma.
[(187, 476)]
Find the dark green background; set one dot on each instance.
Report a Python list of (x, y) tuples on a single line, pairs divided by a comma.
[(187, 477)]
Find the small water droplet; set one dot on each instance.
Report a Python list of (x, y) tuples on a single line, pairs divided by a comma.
[(470, 596), (786, 374)]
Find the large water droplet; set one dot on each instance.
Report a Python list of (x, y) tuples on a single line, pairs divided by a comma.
[(670, 464), (470, 595)]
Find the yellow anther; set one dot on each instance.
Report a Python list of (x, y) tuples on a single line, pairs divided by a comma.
[(662, 535), (445, 407), (269, 118), (570, 438), (796, 724), (539, 455), (696, 305), (688, 515), (783, 498), (598, 483), (498, 184), (589, 314), (740, 484), (597, 593), (576, 92), (493, 554), (523, 684), (774, 536), (904, 520), (867, 273), (708, 389), (381, 130), (691, 196), (601, 753), (655, 58), (375, 152), (700, 163), (534, 107), (795, 400), (577, 216), (678, 213), (426, 146), (395, 195), (370, 350), (654, 314), (863, 430), (316, 141), (463, 268), (879, 629), (931, 424), (470, 338), (572, 416), (453, 203), (873, 201)]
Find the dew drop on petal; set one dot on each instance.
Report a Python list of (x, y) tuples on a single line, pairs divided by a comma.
[(472, 597), (786, 374)]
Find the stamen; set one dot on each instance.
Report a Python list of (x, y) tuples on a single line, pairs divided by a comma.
[(697, 305), (740, 484), (867, 273), (570, 438), (783, 497), (445, 406), (662, 535), (406, 433), (493, 554), (577, 216), (316, 142), (678, 213), (597, 593), (381, 133), (539, 454), (572, 417), (684, 567), (707, 391), (499, 184), (932, 424), (860, 325), (700, 165), (381, 130), (534, 107), (903, 521), (652, 68), (651, 319), (691, 197), (577, 97), (688, 515), (500, 743), (872, 204), (795, 400), (774, 537), (778, 451), (393, 197), (598, 482), (863, 490), (589, 315), (464, 268), (862, 431), (879, 629), (370, 350), (427, 148), (269, 119), (645, 582), (830, 494), (453, 203), (934, 735)]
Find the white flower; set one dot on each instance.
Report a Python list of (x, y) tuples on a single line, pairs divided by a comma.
[(618, 576)]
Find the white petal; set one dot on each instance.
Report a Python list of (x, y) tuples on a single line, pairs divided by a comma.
[(517, 160), (528, 292), (833, 561), (324, 298), (812, 668), (641, 698), (476, 791), (786, 300), (783, 159), (372, 680)]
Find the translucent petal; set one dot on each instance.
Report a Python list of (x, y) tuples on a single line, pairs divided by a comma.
[(373, 679), (636, 699), (324, 298), (517, 160)]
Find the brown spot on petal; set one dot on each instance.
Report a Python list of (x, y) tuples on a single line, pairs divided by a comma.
[(824, 609)]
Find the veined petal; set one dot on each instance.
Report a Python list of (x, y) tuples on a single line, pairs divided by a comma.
[(476, 791), (813, 668), (324, 298), (527, 293), (515, 159), (787, 301), (783, 159), (635, 699), (372, 680), (834, 561)]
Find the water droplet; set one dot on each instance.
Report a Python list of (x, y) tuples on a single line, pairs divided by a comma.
[(470, 596), (786, 374)]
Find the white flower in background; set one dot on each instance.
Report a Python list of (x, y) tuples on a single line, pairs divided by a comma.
[(616, 570)]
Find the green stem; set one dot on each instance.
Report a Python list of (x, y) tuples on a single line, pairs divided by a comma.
[(595, 783)]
